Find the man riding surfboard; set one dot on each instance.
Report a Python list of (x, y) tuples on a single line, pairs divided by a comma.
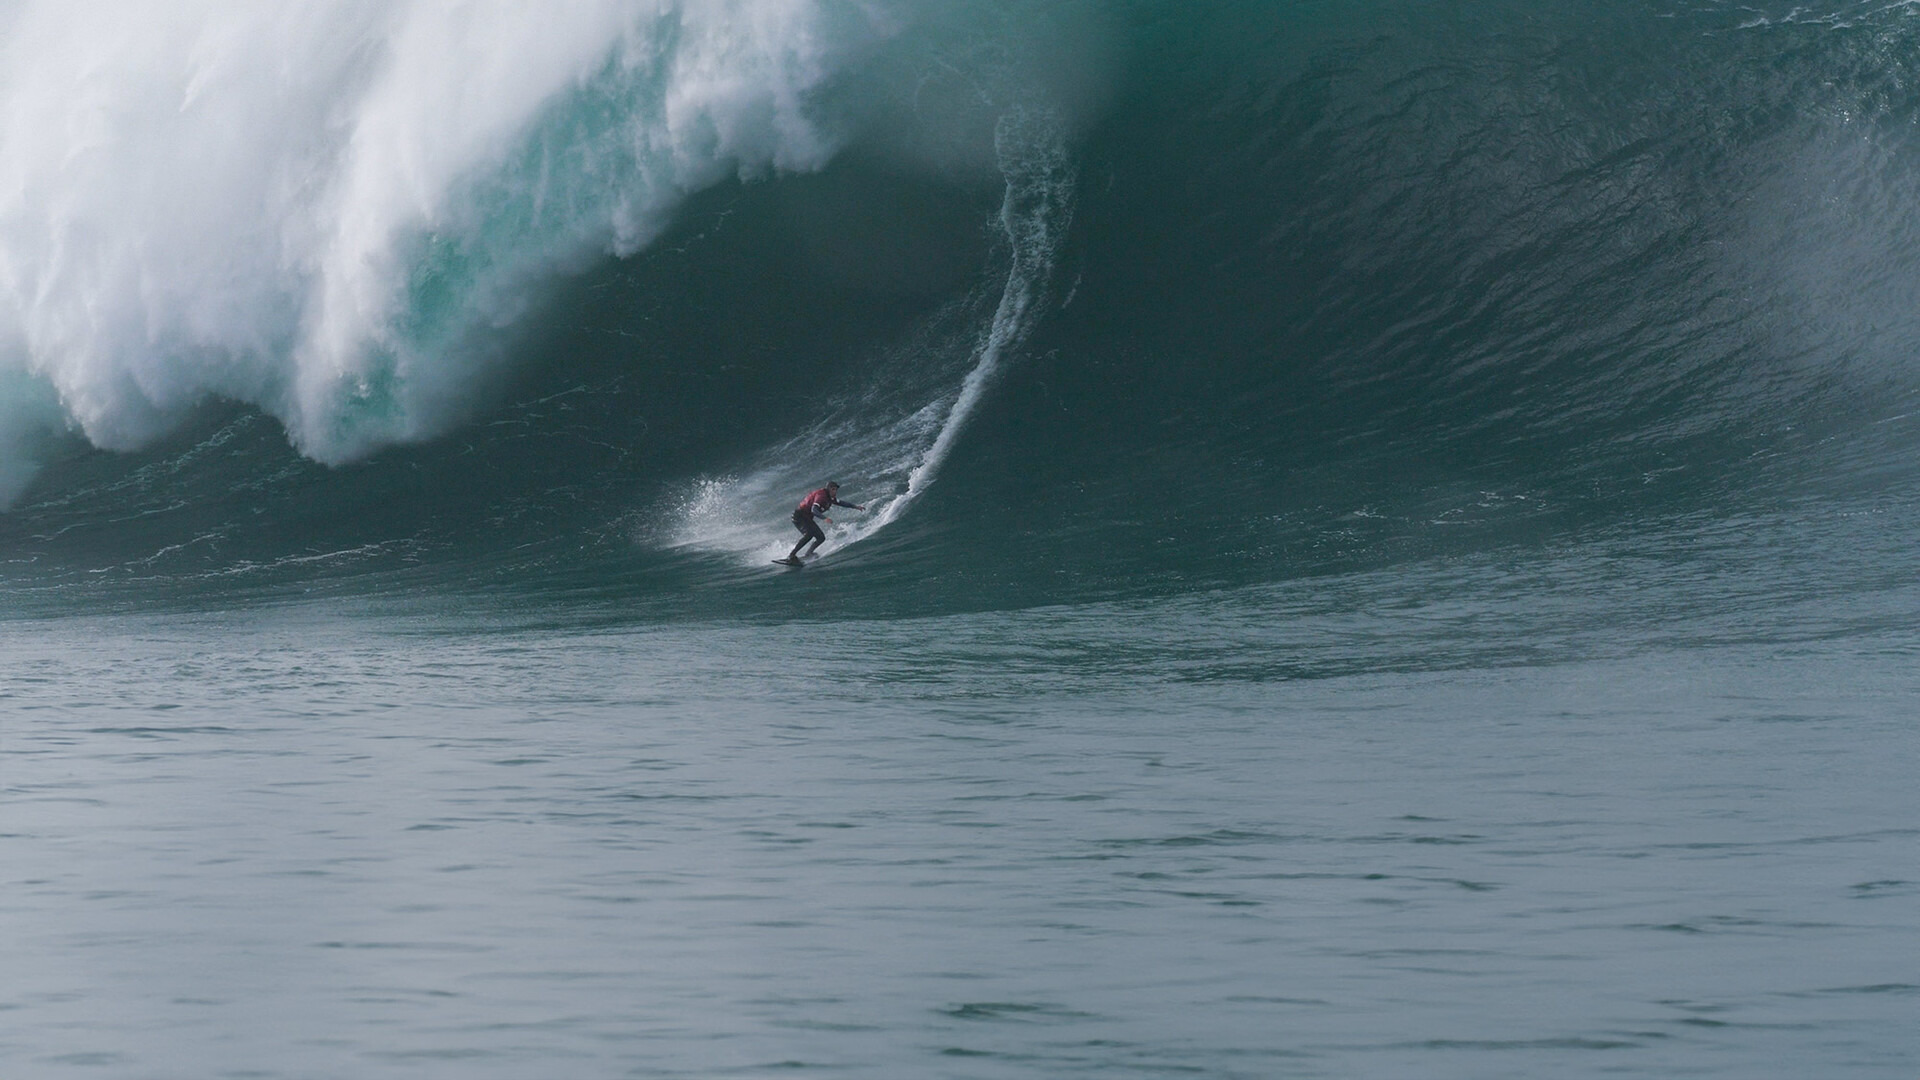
[(817, 502)]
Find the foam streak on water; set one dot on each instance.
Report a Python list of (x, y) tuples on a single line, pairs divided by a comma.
[(730, 514), (1036, 214)]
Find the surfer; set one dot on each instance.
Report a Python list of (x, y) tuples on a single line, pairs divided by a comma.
[(816, 502)]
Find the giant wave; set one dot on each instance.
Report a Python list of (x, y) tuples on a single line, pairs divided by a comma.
[(1121, 297)]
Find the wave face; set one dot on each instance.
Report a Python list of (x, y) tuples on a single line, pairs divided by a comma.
[(1081, 300)]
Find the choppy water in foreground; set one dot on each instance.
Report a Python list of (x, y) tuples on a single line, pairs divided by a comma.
[(1154, 839)]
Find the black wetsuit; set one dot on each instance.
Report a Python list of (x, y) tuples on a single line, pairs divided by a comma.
[(809, 528)]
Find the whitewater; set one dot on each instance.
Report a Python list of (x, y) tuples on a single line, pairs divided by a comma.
[(329, 211), (1388, 545)]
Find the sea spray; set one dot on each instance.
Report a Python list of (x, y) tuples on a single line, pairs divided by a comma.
[(899, 457), (1035, 216), (329, 211)]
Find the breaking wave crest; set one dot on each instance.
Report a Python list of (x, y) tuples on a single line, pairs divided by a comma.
[(335, 212)]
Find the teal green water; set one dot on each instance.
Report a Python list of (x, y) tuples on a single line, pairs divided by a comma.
[(1389, 553)]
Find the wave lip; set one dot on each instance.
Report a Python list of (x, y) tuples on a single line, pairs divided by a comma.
[(333, 211)]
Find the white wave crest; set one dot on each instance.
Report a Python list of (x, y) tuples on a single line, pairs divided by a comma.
[(320, 207)]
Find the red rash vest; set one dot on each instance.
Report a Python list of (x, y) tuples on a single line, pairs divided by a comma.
[(816, 502)]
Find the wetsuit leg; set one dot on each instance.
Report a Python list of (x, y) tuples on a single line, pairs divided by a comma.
[(809, 530)]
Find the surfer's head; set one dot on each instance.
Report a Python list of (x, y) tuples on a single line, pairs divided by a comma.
[(833, 485)]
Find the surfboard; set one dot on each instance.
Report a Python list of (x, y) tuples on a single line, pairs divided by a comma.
[(783, 562)]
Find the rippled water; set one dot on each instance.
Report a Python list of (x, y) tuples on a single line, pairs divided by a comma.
[(1174, 839)]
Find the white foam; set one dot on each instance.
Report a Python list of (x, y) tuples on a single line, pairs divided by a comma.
[(319, 206)]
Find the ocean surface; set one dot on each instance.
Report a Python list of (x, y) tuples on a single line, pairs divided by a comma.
[(1388, 549)]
